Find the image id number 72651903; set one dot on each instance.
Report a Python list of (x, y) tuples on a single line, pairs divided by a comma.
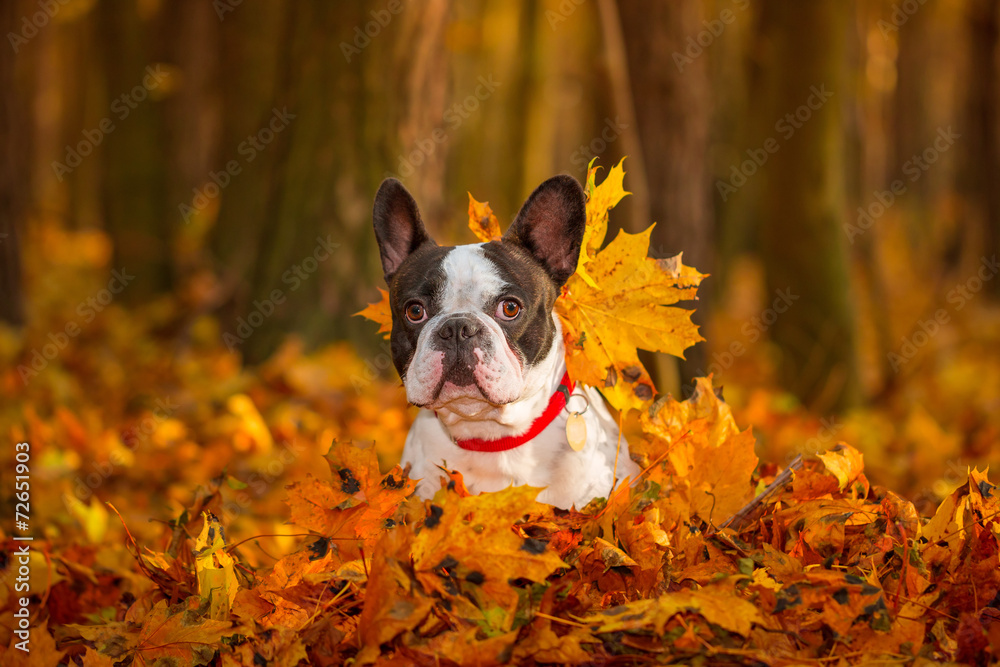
[(22, 555)]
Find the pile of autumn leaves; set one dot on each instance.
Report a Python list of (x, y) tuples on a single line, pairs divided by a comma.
[(826, 565), (679, 566)]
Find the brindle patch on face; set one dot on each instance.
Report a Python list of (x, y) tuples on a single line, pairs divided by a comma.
[(419, 277), (530, 334)]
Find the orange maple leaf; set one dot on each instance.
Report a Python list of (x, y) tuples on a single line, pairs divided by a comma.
[(170, 634), (474, 534), (482, 221), (380, 313), (358, 502)]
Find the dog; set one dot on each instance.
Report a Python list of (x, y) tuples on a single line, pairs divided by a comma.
[(480, 351)]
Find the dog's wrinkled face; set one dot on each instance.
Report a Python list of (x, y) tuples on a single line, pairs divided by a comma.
[(470, 322)]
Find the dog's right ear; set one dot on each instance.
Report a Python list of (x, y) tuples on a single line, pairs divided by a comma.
[(550, 226), (398, 228)]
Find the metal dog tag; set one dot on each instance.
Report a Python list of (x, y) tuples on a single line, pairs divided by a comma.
[(576, 431)]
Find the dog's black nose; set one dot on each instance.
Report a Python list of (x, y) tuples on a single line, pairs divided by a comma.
[(460, 327)]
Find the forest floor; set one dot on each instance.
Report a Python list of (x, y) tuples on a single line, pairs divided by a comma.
[(187, 509)]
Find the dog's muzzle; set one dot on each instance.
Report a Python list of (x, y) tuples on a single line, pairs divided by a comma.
[(458, 337)]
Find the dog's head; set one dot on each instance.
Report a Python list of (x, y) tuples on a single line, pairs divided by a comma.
[(470, 322)]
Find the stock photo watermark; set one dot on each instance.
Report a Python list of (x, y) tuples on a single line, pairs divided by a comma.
[(120, 109), (247, 150), (752, 330), (958, 297), (609, 134), (30, 25), (955, 475), (786, 126), (223, 7), (901, 13), (373, 368), (295, 276), (363, 35), (22, 554), (562, 13), (86, 483), (453, 118), (257, 484), (87, 311), (913, 169), (695, 45)]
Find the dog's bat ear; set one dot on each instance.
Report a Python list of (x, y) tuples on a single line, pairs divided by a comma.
[(398, 228), (550, 226)]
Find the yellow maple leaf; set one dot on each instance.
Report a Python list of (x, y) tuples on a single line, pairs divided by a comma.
[(482, 221), (721, 608), (846, 464), (600, 199), (604, 326), (711, 459), (216, 570), (619, 300)]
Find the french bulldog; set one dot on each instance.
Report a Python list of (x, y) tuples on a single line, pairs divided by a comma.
[(480, 351)]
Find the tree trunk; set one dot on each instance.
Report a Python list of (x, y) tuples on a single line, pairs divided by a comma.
[(982, 170), (14, 169), (672, 105), (137, 212), (803, 244), (315, 125)]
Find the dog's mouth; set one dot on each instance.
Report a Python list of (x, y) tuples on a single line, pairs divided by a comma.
[(468, 395)]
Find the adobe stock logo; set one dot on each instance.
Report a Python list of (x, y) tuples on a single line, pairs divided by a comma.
[(786, 126), (609, 134), (120, 108), (562, 12), (38, 20), (752, 330), (958, 296), (87, 310), (454, 116), (295, 276), (901, 13), (697, 44), (249, 148), (913, 169), (363, 35)]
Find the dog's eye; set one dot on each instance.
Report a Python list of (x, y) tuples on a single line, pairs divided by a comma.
[(508, 309), (415, 312)]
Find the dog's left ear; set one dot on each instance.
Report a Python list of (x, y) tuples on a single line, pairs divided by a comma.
[(550, 226), (398, 228)]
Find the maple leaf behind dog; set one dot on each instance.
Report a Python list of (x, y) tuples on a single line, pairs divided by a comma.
[(619, 301)]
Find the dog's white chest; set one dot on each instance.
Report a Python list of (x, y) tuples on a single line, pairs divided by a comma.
[(568, 477)]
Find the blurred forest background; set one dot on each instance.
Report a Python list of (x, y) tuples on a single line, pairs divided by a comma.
[(834, 165)]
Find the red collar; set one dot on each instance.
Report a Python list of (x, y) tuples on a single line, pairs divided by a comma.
[(556, 404)]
